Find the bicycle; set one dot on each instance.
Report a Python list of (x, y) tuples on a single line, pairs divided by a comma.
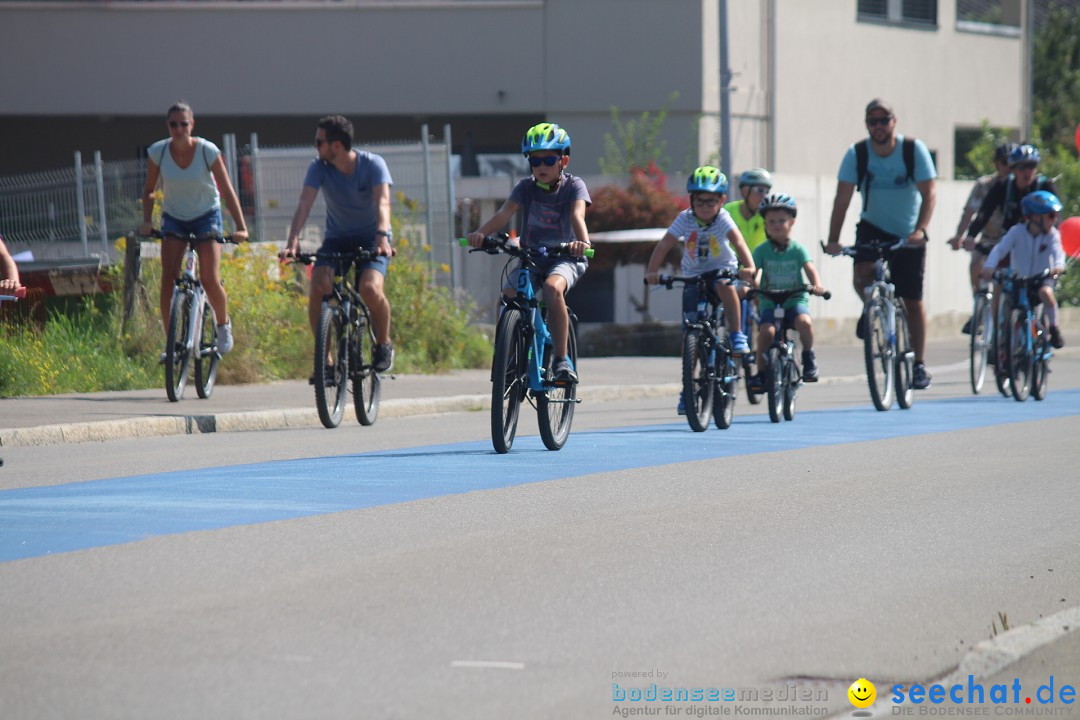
[(521, 362), (710, 370), (191, 337), (1024, 349), (751, 322), (345, 333), (982, 335), (783, 376), (887, 351)]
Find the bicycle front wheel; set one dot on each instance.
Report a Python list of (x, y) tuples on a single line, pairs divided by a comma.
[(1019, 357), (727, 374), (206, 355), (774, 383), (177, 352), (791, 388), (878, 354), (1000, 347), (509, 380), (982, 319), (752, 325), (1040, 364), (331, 381), (366, 384), (697, 381), (905, 360), (555, 407)]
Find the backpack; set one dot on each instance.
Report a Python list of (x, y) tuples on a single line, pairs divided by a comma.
[(862, 159), (1010, 207)]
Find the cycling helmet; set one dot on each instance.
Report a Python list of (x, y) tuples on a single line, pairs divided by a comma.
[(755, 176), (545, 136), (707, 179), (1024, 153), (778, 201), (1040, 202), (1002, 151)]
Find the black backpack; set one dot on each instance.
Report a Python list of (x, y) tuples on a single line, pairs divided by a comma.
[(1010, 207), (862, 158)]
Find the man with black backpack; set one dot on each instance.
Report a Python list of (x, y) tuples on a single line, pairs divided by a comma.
[(1007, 192), (895, 175)]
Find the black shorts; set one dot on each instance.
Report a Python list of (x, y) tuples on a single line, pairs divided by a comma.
[(906, 266)]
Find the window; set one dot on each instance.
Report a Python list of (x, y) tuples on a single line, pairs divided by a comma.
[(1000, 17), (899, 12)]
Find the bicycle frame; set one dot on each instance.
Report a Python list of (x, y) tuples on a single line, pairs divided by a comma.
[(535, 328)]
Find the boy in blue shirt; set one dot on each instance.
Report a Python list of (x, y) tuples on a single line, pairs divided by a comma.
[(781, 263), (554, 203)]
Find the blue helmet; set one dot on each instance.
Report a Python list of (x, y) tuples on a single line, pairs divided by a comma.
[(545, 136), (707, 179), (778, 201), (1024, 153), (1040, 202)]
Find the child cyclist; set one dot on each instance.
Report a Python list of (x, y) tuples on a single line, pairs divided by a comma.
[(711, 242), (553, 203), (782, 262), (1034, 246), (754, 185)]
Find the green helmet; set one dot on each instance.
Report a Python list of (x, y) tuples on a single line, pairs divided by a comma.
[(707, 179), (545, 136)]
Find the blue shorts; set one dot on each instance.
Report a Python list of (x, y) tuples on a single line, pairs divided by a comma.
[(203, 227), (768, 316), (348, 244)]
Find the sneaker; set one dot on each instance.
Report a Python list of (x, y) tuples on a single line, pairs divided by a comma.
[(739, 346), (682, 404), (920, 379), (1055, 337), (328, 375), (164, 357), (224, 337), (809, 369), (967, 327), (860, 328), (563, 371), (756, 383), (384, 357)]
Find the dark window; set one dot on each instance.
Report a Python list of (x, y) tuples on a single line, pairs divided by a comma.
[(873, 8), (920, 11), (900, 12)]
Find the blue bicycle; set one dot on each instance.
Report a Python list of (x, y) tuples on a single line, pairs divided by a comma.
[(1024, 349), (520, 367)]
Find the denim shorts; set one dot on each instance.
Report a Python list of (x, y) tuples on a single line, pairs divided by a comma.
[(348, 244), (203, 227)]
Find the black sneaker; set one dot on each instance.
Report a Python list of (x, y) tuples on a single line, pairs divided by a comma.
[(860, 328), (384, 357), (563, 372), (967, 327), (809, 369), (756, 384), (920, 379), (328, 376), (1055, 337)]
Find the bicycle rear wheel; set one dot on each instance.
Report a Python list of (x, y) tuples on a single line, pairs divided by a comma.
[(905, 360), (982, 319), (697, 381), (878, 354), (774, 383), (1019, 357), (723, 409), (791, 388), (206, 355), (555, 407), (331, 381), (1040, 364), (1000, 347), (509, 380), (177, 353), (366, 384)]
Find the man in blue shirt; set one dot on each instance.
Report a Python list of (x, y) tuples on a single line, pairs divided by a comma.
[(356, 188), (899, 175)]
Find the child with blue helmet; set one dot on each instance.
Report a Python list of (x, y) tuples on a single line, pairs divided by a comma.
[(1034, 246), (553, 206)]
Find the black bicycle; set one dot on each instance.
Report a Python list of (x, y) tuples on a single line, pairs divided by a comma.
[(783, 376), (710, 371), (345, 343), (521, 363)]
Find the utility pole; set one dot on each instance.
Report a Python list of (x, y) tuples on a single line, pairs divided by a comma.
[(725, 92), (1028, 49)]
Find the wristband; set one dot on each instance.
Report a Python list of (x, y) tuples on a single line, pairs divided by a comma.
[(385, 233)]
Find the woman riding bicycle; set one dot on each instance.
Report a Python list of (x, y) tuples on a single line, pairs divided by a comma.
[(191, 172), (1032, 247)]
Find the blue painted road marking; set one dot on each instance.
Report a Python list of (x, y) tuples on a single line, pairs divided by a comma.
[(77, 516)]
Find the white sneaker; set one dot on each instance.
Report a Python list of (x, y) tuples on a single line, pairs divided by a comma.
[(224, 338)]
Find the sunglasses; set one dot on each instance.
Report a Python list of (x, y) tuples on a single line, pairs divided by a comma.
[(879, 121), (1026, 166), (759, 189), (710, 202), (178, 123), (548, 160)]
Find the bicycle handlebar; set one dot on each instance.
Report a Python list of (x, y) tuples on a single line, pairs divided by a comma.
[(721, 274), (156, 233), (878, 246), (779, 296), (20, 292), (494, 244), (357, 255), (1003, 274)]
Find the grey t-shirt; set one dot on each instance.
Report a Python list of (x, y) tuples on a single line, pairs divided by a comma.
[(547, 216)]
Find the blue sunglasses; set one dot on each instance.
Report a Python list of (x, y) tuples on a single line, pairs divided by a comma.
[(548, 160)]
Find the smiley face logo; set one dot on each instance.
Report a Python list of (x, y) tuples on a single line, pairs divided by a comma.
[(862, 693)]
